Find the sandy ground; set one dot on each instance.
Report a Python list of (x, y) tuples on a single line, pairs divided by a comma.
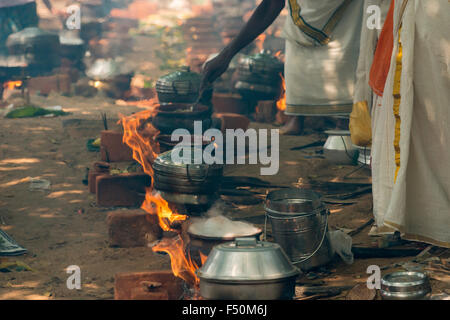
[(63, 226)]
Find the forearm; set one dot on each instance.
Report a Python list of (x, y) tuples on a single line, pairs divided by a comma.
[(264, 15), (48, 4)]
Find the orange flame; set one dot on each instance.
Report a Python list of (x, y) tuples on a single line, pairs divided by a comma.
[(281, 103), (138, 135), (203, 258), (260, 41), (10, 85)]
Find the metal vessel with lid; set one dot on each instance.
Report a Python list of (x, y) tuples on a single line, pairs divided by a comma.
[(186, 183), (299, 222), (247, 269), (259, 76), (181, 86), (338, 148)]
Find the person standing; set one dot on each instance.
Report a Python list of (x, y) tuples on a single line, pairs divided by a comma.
[(411, 132), (322, 46)]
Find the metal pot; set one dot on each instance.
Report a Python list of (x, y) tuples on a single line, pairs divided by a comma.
[(41, 48), (195, 184), (259, 76), (181, 86), (247, 269), (204, 244), (405, 285), (170, 117), (338, 148), (299, 222)]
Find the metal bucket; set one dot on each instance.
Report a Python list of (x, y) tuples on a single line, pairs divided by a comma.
[(299, 225)]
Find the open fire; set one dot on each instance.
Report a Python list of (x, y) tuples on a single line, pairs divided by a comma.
[(281, 103), (11, 85), (138, 135)]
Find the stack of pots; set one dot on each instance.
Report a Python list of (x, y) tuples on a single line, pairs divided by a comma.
[(177, 93), (299, 222), (260, 76), (180, 183)]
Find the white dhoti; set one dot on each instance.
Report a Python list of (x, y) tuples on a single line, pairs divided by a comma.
[(320, 70), (411, 136)]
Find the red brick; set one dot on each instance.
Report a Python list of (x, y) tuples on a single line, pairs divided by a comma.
[(112, 148), (229, 103), (125, 190), (232, 121), (129, 286), (59, 83), (132, 228), (92, 180), (99, 168)]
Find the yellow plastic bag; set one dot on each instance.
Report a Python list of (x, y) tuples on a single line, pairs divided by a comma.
[(360, 124)]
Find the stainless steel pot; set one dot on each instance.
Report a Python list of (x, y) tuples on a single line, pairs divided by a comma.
[(247, 269), (405, 285), (299, 222), (338, 148)]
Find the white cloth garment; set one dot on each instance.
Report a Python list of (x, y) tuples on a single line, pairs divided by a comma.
[(413, 196), (320, 77), (368, 44)]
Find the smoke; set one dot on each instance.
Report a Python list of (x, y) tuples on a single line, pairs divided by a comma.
[(215, 224)]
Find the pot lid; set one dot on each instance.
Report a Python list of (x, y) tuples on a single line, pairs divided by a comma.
[(30, 35), (182, 79), (293, 202), (247, 259), (165, 165), (342, 133)]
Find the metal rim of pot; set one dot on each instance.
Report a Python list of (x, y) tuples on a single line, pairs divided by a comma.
[(192, 199), (170, 110), (394, 286), (163, 163), (230, 238)]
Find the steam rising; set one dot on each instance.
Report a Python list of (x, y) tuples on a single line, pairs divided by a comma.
[(219, 226)]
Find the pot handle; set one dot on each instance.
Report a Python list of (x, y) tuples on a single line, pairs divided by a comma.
[(248, 241)]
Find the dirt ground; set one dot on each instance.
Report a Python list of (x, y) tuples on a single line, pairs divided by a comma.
[(63, 226)]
